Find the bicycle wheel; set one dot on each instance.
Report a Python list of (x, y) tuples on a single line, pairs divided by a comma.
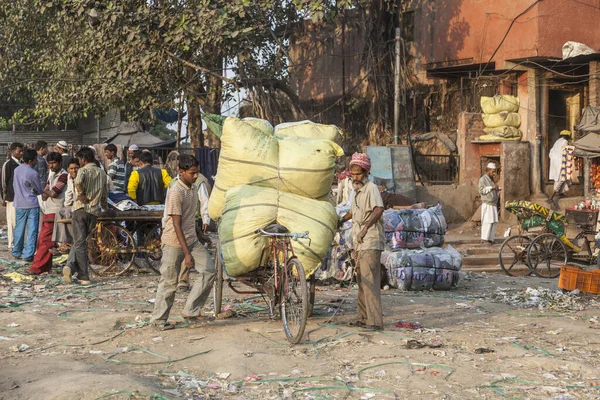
[(312, 288), (153, 249), (546, 255), (118, 247), (218, 284), (513, 256), (294, 300), (99, 260)]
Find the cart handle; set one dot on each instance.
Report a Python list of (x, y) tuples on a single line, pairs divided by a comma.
[(294, 236)]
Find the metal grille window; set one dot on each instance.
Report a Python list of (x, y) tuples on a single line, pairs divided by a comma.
[(437, 169)]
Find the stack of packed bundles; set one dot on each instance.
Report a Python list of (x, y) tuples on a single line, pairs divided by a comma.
[(338, 263), (414, 228), (266, 176), (425, 269), (500, 117)]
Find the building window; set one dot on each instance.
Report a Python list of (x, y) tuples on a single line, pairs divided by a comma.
[(408, 26)]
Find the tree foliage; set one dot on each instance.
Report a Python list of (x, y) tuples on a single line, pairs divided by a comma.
[(62, 59)]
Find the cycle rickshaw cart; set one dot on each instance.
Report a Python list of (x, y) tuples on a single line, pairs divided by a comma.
[(541, 246), (280, 278), (117, 239)]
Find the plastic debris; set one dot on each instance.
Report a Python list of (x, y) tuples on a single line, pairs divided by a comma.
[(483, 350), (20, 348), (17, 277), (408, 325)]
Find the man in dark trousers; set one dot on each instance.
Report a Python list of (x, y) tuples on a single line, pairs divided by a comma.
[(148, 184), (92, 193), (366, 210), (8, 192), (41, 166)]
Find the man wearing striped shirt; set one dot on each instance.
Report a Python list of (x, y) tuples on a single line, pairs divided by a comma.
[(116, 169), (92, 193)]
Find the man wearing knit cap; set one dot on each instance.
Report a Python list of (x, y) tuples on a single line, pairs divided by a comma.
[(62, 148), (366, 212), (490, 194), (129, 167)]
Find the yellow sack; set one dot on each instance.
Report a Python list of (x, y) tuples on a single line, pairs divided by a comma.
[(492, 138), (504, 131), (252, 156), (499, 103), (248, 208), (501, 119), (310, 130)]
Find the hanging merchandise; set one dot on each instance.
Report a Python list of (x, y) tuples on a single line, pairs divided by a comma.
[(424, 269), (414, 228)]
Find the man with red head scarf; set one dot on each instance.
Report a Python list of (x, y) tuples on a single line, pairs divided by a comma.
[(366, 212)]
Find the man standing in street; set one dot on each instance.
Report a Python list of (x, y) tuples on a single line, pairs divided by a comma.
[(41, 166), (27, 187), (366, 210), (556, 158), (148, 184), (63, 149), (53, 197), (129, 165), (490, 194), (8, 192), (92, 193), (181, 245), (116, 169)]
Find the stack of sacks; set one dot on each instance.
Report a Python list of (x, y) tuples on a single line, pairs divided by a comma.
[(280, 175), (414, 228), (433, 268), (248, 208), (500, 118), (413, 257), (300, 160)]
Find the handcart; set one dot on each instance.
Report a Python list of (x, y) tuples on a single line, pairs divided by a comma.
[(117, 239), (280, 278), (541, 246)]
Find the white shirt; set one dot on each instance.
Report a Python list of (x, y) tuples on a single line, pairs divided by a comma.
[(555, 156)]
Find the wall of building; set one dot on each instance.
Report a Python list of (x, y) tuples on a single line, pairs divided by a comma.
[(458, 201)]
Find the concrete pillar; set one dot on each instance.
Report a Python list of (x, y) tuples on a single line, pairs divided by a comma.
[(532, 128), (594, 86)]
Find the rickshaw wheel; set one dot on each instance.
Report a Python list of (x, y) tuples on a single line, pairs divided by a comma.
[(513, 255), (153, 253), (546, 255), (100, 260), (218, 284), (117, 250), (294, 301)]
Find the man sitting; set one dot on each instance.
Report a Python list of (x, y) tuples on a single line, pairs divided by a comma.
[(147, 185)]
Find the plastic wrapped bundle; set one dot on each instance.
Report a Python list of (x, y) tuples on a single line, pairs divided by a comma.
[(433, 268), (414, 228)]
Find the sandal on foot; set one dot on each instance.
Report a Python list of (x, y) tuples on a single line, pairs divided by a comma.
[(166, 326), (356, 323)]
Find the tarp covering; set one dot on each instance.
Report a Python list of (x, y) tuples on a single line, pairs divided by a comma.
[(589, 124), (133, 133)]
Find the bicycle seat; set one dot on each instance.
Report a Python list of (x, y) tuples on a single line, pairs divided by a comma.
[(276, 228)]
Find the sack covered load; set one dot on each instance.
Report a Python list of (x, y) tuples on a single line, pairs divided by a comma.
[(425, 269), (414, 228), (292, 158), (248, 208), (500, 117)]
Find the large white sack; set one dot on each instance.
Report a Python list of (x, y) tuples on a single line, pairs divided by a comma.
[(248, 208), (251, 156), (501, 119), (499, 103)]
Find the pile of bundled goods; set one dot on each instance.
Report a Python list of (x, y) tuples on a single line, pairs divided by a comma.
[(274, 175), (424, 269), (413, 256), (411, 229), (500, 117)]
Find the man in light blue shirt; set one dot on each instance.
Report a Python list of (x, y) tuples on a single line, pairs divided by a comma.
[(27, 186)]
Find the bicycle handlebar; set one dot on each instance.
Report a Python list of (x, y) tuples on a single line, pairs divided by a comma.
[(294, 236)]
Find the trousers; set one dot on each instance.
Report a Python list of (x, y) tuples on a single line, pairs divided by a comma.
[(26, 218), (170, 268), (368, 267), (11, 222), (82, 224), (42, 262)]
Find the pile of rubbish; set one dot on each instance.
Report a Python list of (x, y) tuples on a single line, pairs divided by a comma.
[(540, 298), (274, 175), (500, 117)]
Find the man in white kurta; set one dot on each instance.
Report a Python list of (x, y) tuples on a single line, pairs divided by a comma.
[(555, 156), (489, 193)]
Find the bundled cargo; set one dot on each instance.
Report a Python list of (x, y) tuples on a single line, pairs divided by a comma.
[(295, 161), (248, 208), (499, 103), (423, 269), (495, 121), (308, 130), (414, 228)]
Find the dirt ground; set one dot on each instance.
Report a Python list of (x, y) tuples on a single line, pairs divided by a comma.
[(489, 338)]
